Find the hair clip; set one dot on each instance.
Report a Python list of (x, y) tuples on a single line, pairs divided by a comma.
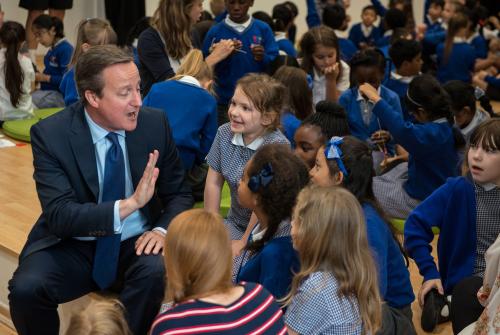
[(261, 179), (411, 100), (332, 151)]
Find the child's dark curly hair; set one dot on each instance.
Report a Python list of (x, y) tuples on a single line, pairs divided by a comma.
[(277, 199)]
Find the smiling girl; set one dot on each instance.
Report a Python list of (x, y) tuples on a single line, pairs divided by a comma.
[(467, 211), (254, 115)]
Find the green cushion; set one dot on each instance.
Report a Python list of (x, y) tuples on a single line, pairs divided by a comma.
[(399, 224), (46, 112), (19, 129), (225, 201)]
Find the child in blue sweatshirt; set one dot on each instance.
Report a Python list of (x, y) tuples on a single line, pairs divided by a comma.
[(254, 48), (49, 31), (407, 58), (369, 66), (466, 211), (456, 57), (431, 143), (365, 33), (348, 162), (334, 16), (90, 32), (282, 21)]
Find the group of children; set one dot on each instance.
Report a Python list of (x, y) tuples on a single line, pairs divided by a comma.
[(355, 117)]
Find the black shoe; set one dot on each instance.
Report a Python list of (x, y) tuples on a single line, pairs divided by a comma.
[(431, 312)]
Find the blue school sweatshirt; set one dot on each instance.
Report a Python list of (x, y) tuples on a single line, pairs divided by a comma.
[(68, 87), (349, 100), (451, 208), (399, 87), (238, 64), (56, 63), (459, 65), (347, 49), (431, 145), (357, 37), (285, 45), (290, 124), (192, 114), (273, 267), (480, 45), (394, 277), (312, 18)]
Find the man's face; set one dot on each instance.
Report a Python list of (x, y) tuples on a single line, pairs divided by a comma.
[(120, 101)]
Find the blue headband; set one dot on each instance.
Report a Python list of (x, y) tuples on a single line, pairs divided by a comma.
[(261, 179), (332, 151)]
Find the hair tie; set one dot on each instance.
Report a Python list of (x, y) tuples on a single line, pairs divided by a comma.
[(332, 151), (411, 100), (261, 179)]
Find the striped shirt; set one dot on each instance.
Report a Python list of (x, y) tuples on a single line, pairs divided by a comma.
[(255, 312)]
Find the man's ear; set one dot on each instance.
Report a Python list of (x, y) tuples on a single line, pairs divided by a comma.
[(338, 178), (92, 98)]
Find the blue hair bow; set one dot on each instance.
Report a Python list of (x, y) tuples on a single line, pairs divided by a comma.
[(261, 179), (333, 151)]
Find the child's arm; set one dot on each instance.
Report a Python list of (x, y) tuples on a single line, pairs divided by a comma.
[(331, 75), (312, 17), (219, 51), (64, 58), (268, 50), (238, 245), (213, 188), (379, 8)]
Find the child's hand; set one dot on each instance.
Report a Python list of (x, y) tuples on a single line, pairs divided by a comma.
[(381, 137), (42, 77), (427, 286), (237, 246), (332, 72), (258, 52), (370, 92)]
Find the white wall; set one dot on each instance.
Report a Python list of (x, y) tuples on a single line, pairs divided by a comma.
[(95, 8)]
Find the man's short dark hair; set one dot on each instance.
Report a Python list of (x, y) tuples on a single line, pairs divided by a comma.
[(91, 64), (404, 50), (334, 16)]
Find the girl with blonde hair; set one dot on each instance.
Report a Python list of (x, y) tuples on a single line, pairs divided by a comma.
[(198, 263), (192, 114), (91, 32), (162, 46), (336, 290)]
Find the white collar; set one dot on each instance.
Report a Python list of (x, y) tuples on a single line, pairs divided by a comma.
[(279, 35), (459, 40), (388, 33), (403, 79), (59, 42), (431, 21), (96, 131), (488, 186), (360, 97), (239, 27), (190, 80), (366, 30), (441, 120), (478, 118), (471, 37), (238, 140)]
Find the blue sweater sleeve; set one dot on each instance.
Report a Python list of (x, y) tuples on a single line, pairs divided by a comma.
[(312, 18), (380, 248), (493, 81), (64, 58), (271, 48), (435, 37), (208, 132), (418, 229), (276, 272)]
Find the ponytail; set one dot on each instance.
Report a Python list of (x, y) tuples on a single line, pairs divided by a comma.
[(12, 34), (456, 23), (195, 66), (282, 16)]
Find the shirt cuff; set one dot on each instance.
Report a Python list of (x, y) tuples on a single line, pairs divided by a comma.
[(117, 223), (161, 230)]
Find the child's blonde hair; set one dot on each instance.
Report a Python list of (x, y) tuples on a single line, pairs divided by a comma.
[(93, 31), (330, 235), (195, 66), (267, 95), (198, 257), (101, 317)]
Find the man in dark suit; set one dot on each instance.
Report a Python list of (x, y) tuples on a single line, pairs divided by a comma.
[(109, 180)]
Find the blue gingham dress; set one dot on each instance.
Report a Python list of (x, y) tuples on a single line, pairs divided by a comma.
[(229, 160), (317, 308)]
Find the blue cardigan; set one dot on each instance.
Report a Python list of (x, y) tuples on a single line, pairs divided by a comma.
[(357, 37), (192, 114), (394, 278), (273, 266), (238, 64), (68, 87), (451, 208), (480, 46), (287, 47), (347, 49), (460, 63), (431, 145), (290, 124), (56, 63), (348, 100), (400, 88)]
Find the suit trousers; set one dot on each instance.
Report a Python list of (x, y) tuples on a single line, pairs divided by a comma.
[(63, 272)]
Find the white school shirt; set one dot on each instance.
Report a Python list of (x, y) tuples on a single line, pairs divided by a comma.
[(319, 83), (25, 106)]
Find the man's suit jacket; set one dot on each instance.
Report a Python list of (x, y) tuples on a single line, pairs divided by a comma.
[(67, 182)]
